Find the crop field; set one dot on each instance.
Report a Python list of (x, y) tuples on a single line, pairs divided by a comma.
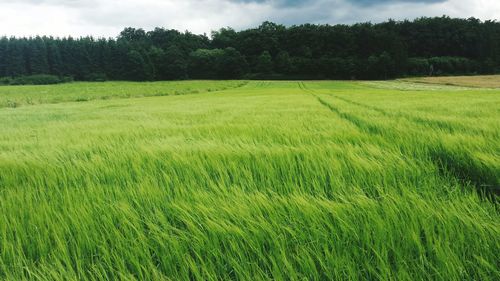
[(484, 81), (250, 180), (15, 96)]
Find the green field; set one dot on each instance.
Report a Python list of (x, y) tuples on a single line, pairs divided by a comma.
[(238, 180)]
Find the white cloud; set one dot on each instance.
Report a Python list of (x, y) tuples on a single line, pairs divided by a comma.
[(108, 18)]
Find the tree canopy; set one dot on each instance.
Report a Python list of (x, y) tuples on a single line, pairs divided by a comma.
[(362, 51)]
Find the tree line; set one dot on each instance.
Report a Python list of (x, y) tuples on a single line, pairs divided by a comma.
[(424, 46)]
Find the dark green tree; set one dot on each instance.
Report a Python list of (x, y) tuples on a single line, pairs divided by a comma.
[(15, 61), (54, 60), (135, 67), (282, 63), (204, 63), (37, 57), (264, 63), (231, 64), (176, 64)]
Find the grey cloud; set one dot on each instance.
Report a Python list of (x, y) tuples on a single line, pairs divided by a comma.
[(108, 17), (340, 11), (379, 2), (294, 3), (65, 3)]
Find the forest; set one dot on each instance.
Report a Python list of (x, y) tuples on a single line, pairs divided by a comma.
[(420, 47)]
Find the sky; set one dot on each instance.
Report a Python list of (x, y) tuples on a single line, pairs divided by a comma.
[(107, 18)]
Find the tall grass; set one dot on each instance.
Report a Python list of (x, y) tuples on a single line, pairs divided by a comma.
[(271, 180), (481, 81), (15, 96)]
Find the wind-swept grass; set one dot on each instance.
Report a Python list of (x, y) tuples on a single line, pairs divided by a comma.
[(480, 81), (273, 180), (15, 96)]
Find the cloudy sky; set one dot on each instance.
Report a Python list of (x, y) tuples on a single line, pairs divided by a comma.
[(107, 18)]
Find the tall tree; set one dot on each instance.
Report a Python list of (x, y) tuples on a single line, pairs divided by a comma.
[(265, 63), (15, 61), (176, 64), (37, 56)]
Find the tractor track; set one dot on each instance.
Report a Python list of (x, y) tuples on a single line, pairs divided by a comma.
[(448, 161)]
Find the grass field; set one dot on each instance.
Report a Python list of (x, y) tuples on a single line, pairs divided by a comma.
[(15, 96), (249, 181), (484, 81)]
